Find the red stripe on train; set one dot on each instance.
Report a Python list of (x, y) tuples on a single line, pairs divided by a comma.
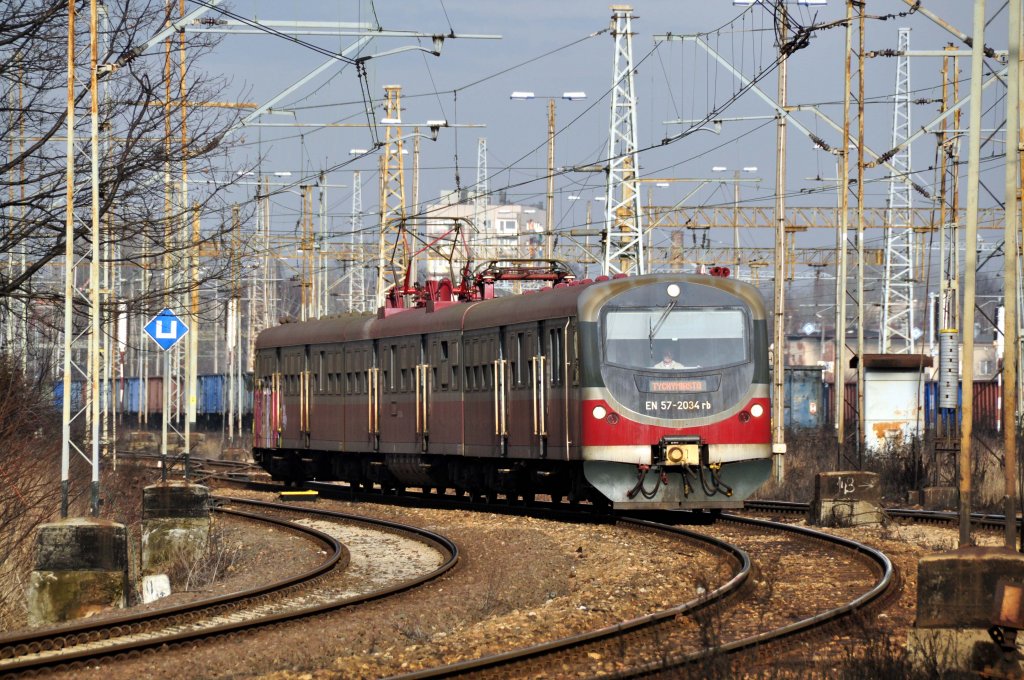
[(730, 430)]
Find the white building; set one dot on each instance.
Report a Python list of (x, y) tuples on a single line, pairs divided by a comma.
[(461, 228)]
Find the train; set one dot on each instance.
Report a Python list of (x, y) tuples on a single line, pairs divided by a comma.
[(558, 392)]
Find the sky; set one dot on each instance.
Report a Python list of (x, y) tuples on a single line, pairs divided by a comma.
[(553, 47)]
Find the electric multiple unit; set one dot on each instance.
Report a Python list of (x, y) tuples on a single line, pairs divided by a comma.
[(634, 392)]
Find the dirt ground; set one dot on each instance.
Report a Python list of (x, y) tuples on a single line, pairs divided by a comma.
[(519, 581)]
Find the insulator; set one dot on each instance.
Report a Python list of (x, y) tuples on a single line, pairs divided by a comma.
[(949, 368)]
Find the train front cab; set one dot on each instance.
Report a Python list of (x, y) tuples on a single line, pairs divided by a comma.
[(675, 405)]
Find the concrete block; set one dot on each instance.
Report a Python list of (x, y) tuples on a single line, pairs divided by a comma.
[(848, 498), (236, 454), (142, 441), (957, 589), (847, 485), (848, 513), (81, 569), (941, 498), (175, 526), (173, 541), (175, 499)]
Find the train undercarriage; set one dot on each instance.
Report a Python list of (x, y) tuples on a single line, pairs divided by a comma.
[(480, 478), (601, 483)]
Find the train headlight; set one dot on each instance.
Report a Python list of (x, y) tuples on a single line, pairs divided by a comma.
[(672, 290), (600, 412), (757, 410)]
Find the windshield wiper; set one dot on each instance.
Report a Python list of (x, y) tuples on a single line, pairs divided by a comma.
[(661, 321)]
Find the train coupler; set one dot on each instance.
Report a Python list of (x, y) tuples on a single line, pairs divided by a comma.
[(641, 472)]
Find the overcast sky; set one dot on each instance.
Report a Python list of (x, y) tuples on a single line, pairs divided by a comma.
[(556, 46)]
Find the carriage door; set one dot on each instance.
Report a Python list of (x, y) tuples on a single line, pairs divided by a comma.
[(525, 421), (373, 383), (421, 379), (305, 396), (267, 401), (552, 385)]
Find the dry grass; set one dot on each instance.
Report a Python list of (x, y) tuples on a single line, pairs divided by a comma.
[(902, 467), (29, 481)]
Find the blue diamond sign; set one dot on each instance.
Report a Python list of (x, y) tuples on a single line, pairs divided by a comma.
[(166, 329)]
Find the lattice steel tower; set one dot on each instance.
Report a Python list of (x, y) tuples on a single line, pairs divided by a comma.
[(393, 251), (898, 304), (357, 280), (623, 245), (480, 199)]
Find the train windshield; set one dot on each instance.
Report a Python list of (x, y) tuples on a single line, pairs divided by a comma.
[(676, 338)]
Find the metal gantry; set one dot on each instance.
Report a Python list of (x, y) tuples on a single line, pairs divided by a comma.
[(898, 302), (623, 242), (393, 250)]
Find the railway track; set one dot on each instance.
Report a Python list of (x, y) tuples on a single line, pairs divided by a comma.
[(980, 520), (663, 643), (319, 589)]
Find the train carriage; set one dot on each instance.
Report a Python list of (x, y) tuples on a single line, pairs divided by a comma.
[(566, 391)]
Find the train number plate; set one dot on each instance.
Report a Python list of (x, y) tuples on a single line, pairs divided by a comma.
[(668, 405)]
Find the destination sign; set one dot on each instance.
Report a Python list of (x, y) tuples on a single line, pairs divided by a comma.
[(691, 385), (648, 384)]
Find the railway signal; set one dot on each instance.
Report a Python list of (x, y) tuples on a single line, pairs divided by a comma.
[(166, 329)]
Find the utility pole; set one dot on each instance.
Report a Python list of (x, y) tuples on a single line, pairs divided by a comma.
[(322, 306), (1011, 250), (233, 344), (69, 270), (970, 267), (549, 218), (306, 294), (861, 420), (623, 242), (839, 366), (779, 367), (413, 225), (947, 442)]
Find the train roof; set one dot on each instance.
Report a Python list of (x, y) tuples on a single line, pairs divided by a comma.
[(460, 316), (559, 302)]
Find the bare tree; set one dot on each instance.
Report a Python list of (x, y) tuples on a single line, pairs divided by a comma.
[(146, 145), (29, 477)]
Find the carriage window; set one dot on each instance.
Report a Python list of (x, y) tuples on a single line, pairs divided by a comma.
[(518, 358), (555, 355), (688, 338), (321, 385), (453, 359)]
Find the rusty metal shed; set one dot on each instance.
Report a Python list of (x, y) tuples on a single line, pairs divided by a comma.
[(894, 403)]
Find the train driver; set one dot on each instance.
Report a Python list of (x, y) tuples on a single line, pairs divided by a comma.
[(668, 362)]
